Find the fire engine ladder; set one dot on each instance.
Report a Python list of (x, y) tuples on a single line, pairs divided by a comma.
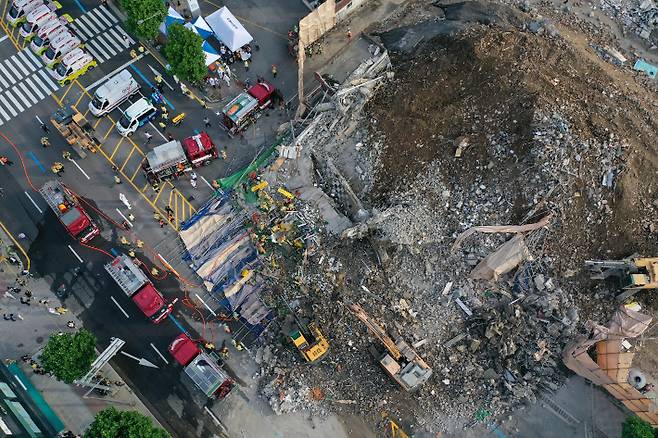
[(128, 276), (54, 195)]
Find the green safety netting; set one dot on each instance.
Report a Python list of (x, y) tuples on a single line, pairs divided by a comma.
[(233, 180)]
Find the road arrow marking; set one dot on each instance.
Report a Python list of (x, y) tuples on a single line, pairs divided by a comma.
[(140, 360)]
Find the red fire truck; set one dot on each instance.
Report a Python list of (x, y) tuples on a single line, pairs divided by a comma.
[(69, 211), (172, 159), (136, 285), (244, 108), (201, 367)]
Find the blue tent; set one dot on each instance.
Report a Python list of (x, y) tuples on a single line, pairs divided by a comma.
[(202, 28), (210, 52), (172, 17)]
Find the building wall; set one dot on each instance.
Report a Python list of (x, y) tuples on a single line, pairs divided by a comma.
[(346, 7)]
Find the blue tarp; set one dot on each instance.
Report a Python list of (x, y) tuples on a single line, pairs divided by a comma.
[(641, 65), (172, 17)]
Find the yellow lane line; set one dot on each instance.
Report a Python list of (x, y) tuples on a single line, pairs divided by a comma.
[(98, 122), (136, 171), (159, 193), (116, 148), (128, 159), (11, 236), (108, 131), (67, 91), (146, 186), (171, 196)]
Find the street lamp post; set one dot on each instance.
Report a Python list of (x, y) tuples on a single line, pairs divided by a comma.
[(141, 21)]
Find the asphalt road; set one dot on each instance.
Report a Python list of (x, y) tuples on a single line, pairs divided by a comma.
[(28, 95)]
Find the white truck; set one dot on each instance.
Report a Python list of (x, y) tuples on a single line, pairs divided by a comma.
[(113, 93)]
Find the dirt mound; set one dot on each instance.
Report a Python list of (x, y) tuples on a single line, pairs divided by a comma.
[(537, 113)]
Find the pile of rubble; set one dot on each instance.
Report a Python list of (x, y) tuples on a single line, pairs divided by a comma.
[(479, 128)]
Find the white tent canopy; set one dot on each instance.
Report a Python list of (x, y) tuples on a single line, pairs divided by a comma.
[(228, 29)]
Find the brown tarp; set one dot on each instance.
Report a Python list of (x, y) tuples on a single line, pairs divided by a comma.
[(507, 257)]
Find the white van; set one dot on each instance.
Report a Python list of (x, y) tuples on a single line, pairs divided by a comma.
[(46, 33), (73, 64), (59, 47), (112, 93), (38, 17), (138, 114), (19, 9)]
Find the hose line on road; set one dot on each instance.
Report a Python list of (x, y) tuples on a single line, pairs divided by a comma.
[(186, 300)]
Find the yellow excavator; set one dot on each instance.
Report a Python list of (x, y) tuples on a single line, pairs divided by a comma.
[(636, 273), (307, 338), (400, 361)]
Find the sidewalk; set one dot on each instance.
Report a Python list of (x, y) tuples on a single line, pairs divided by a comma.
[(30, 332)]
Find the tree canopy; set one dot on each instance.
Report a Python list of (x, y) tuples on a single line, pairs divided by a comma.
[(635, 427), (144, 16), (184, 53), (69, 356), (112, 423)]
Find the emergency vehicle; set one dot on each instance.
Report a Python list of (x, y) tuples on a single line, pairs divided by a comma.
[(244, 109), (69, 211)]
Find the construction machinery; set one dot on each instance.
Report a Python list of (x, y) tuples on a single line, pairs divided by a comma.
[(75, 129), (636, 273), (400, 361), (308, 339)]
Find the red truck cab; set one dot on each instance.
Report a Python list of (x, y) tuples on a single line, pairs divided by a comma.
[(202, 368), (69, 211), (244, 108), (136, 285), (199, 149)]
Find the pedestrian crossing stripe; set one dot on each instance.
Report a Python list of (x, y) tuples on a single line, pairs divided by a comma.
[(34, 88), (20, 66), (107, 22), (17, 105)]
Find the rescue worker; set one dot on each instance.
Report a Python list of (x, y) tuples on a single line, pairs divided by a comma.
[(132, 254), (45, 142), (66, 155), (209, 346), (156, 216), (224, 156), (154, 271), (131, 217), (139, 243), (124, 241), (274, 71), (164, 113), (158, 83), (224, 350), (57, 168), (133, 54), (117, 180), (162, 125), (6, 161)]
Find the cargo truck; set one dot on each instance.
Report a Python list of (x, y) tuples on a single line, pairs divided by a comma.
[(136, 285), (69, 211), (201, 367)]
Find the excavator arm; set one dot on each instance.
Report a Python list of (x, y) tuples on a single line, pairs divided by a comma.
[(375, 329)]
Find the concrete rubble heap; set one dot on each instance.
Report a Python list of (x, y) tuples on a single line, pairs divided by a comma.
[(490, 125)]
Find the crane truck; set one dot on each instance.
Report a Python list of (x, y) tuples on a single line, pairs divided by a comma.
[(69, 211), (135, 284), (400, 361)]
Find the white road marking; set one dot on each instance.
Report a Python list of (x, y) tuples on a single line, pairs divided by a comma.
[(93, 53), (9, 106), (35, 88), (109, 14), (33, 58), (205, 305), (92, 18), (94, 44), (19, 107), (26, 60), (76, 254), (159, 354), (207, 183), (33, 203), (103, 18), (88, 25), (124, 36), (32, 97), (20, 95), (4, 38), (112, 73), (168, 264), (78, 31), (124, 218), (79, 168), (20, 65), (115, 40), (5, 83), (157, 73), (158, 131), (120, 308), (101, 39), (4, 113), (47, 79), (11, 77)]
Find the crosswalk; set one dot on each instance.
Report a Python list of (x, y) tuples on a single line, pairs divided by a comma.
[(24, 79)]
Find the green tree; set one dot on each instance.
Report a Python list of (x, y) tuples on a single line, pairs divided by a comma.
[(635, 427), (145, 16), (111, 423), (184, 53), (69, 356)]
